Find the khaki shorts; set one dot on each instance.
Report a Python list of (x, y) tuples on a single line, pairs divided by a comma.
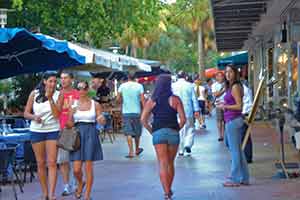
[(63, 156), (220, 114)]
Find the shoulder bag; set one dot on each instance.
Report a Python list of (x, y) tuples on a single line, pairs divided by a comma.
[(69, 139)]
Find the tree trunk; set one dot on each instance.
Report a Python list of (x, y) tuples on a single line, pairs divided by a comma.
[(134, 51), (201, 69), (145, 52), (127, 50)]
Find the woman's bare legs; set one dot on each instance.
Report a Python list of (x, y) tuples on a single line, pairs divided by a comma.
[(163, 161), (89, 178), (51, 151), (78, 175), (39, 149), (172, 152)]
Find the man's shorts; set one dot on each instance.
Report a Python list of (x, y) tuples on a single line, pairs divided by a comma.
[(165, 136), (63, 156), (132, 125), (36, 137), (220, 114), (202, 106)]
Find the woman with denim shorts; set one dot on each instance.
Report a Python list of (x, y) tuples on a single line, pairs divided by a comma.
[(42, 110), (234, 128), (165, 127)]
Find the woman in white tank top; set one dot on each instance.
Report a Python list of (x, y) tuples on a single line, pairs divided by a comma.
[(85, 116), (42, 110)]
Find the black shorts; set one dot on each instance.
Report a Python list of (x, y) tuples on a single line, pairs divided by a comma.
[(202, 106)]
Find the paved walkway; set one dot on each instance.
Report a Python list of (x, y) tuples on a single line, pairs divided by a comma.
[(198, 177)]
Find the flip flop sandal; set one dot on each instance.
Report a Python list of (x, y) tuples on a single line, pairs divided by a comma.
[(139, 151), (79, 195)]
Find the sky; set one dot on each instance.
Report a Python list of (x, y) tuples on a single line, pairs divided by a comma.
[(168, 1)]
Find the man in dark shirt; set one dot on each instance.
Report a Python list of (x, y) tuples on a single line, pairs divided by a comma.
[(102, 91)]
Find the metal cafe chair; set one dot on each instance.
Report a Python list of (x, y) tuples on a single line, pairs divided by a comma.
[(29, 161), (107, 129), (7, 160)]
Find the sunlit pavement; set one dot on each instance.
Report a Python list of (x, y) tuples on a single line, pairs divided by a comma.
[(198, 177)]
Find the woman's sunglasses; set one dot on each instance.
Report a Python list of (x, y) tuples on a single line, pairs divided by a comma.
[(82, 87)]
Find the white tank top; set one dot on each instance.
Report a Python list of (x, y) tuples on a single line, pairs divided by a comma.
[(88, 116), (50, 123)]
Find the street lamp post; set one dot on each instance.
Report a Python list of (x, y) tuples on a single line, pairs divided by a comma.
[(3, 17)]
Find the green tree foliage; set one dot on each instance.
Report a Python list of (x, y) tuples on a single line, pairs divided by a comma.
[(143, 28), (23, 85), (91, 21)]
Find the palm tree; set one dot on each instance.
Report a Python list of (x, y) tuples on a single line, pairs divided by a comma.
[(194, 15), (134, 37)]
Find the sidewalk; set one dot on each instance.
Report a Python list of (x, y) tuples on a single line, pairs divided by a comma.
[(198, 177)]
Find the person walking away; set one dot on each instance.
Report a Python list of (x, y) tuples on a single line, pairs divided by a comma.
[(201, 97), (185, 91), (84, 117), (70, 98), (232, 106), (165, 137), (131, 95), (43, 111), (210, 97), (247, 106), (218, 89)]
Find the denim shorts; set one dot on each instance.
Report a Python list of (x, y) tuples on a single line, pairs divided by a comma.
[(132, 125), (165, 136), (40, 136)]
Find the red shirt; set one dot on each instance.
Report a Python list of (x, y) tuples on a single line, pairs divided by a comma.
[(69, 99)]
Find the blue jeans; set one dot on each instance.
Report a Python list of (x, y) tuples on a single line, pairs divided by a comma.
[(239, 165)]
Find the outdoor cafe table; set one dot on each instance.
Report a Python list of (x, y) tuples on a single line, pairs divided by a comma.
[(18, 138)]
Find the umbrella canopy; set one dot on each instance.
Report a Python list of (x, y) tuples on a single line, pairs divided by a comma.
[(155, 71), (24, 52), (104, 61), (211, 72), (237, 60)]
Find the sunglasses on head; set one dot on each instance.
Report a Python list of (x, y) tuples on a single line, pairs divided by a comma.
[(82, 87)]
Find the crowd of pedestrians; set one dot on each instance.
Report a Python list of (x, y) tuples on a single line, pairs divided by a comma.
[(172, 114)]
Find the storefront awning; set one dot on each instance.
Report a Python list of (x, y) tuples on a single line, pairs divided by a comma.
[(238, 61), (234, 20)]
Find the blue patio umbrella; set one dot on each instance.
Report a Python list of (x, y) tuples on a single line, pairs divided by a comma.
[(24, 52)]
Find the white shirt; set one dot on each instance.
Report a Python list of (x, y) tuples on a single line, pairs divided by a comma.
[(49, 122), (86, 115), (185, 91), (216, 87), (247, 100), (201, 91)]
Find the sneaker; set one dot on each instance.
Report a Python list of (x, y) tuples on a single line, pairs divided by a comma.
[(203, 126), (66, 191)]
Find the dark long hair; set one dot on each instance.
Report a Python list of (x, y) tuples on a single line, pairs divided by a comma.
[(41, 87), (236, 75), (162, 88)]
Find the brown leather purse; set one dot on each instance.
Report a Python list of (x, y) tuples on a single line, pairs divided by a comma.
[(69, 139)]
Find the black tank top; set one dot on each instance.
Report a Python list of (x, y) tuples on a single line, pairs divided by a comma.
[(164, 116)]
